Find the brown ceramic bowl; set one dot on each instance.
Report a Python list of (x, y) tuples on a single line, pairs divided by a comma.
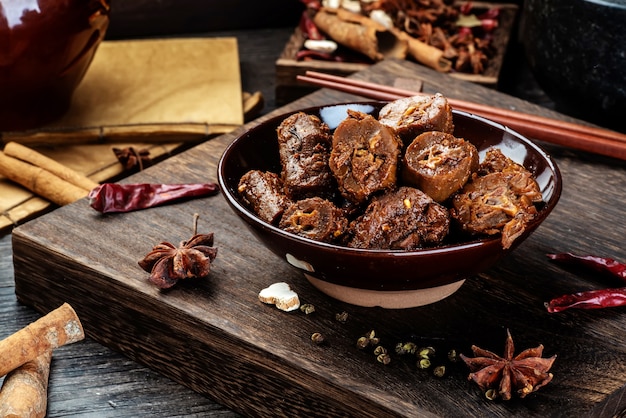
[(46, 47), (390, 279)]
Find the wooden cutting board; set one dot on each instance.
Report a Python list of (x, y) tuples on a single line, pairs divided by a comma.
[(216, 337), (163, 91)]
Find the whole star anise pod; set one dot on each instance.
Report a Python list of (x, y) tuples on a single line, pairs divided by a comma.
[(132, 159), (522, 374), (191, 259)]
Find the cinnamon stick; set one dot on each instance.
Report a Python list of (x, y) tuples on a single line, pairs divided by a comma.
[(424, 53), (153, 133), (57, 328), (24, 393), (29, 155), (40, 181), (360, 33)]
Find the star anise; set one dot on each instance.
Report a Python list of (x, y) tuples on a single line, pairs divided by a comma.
[(132, 159), (522, 374), (191, 259)]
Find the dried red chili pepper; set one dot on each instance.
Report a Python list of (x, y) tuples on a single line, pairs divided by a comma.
[(489, 25), (592, 299), (307, 54), (309, 28), (113, 197), (466, 8), (601, 264), (312, 4), (465, 33), (492, 13)]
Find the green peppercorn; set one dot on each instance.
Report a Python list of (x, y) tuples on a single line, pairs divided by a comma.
[(423, 363), (384, 358), (406, 348), (362, 342), (342, 317), (426, 352), (380, 350), (317, 338), (439, 371), (307, 308), (491, 394), (410, 347), (371, 336)]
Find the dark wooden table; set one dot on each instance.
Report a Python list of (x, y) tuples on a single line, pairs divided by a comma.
[(88, 379)]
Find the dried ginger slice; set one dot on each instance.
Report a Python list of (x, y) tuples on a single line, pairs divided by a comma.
[(281, 295)]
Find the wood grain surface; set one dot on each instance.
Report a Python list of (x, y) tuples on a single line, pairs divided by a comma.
[(216, 338)]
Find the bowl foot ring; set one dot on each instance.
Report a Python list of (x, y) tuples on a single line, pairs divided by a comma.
[(391, 299)]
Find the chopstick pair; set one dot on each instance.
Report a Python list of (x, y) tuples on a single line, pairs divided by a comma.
[(585, 138)]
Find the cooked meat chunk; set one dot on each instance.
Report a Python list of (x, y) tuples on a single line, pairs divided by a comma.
[(364, 157), (523, 182), (496, 162), (264, 194), (404, 219), (496, 202), (412, 116), (314, 218), (439, 164), (304, 146)]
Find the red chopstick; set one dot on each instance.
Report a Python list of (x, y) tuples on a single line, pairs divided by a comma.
[(584, 138)]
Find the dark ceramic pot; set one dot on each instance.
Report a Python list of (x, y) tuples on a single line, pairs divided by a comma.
[(46, 47), (577, 51)]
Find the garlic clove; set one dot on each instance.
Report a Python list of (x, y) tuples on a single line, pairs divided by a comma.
[(323, 45), (353, 6), (383, 18)]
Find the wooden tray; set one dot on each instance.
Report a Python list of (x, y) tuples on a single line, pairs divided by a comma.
[(216, 337), (288, 68)]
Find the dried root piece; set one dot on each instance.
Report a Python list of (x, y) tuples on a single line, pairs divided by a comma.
[(281, 295)]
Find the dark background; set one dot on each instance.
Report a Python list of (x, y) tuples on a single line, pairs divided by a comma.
[(150, 18), (140, 18)]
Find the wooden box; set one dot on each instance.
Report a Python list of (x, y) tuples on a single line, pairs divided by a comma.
[(288, 88)]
